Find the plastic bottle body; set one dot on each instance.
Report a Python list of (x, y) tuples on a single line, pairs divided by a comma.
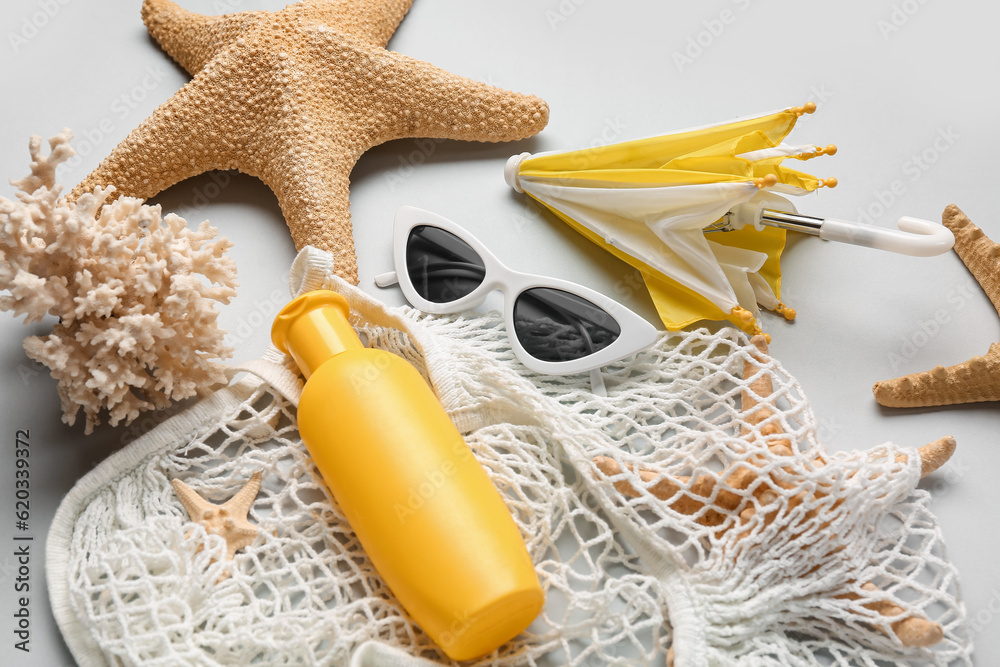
[(423, 508)]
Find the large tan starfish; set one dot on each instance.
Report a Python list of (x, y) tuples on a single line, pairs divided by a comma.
[(294, 97), (972, 381)]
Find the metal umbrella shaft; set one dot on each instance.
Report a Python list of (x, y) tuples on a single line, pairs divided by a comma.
[(915, 237), (796, 222)]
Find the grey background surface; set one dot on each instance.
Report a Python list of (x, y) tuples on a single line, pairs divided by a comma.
[(905, 88)]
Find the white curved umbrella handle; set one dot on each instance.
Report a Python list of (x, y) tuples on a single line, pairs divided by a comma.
[(915, 237)]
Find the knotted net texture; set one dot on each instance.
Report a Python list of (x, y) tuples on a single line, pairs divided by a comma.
[(629, 570)]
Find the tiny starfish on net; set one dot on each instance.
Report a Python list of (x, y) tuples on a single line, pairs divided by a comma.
[(229, 519), (294, 97), (972, 381)]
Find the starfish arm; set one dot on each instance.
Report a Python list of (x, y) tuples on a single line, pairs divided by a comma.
[(311, 180), (935, 454), (193, 39), (761, 385), (239, 505), (238, 539), (755, 412), (977, 252), (373, 21), (194, 504), (421, 100), (180, 139), (973, 381)]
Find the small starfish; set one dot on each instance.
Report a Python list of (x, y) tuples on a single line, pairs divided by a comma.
[(229, 519), (294, 97), (972, 381)]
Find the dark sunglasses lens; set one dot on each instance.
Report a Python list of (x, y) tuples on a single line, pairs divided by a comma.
[(442, 267), (554, 325)]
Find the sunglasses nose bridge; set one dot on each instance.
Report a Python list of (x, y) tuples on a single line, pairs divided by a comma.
[(509, 281), (486, 291)]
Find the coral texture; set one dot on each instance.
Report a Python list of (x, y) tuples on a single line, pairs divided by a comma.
[(294, 98), (134, 293), (974, 380)]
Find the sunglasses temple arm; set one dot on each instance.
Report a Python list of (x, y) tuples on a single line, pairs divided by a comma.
[(597, 383), (453, 268), (596, 379), (386, 279)]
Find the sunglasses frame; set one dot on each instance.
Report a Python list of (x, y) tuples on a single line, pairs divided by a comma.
[(636, 333)]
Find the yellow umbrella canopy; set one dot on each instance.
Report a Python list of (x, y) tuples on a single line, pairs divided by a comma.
[(653, 203)]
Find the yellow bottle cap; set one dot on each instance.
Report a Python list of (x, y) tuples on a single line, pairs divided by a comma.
[(313, 328)]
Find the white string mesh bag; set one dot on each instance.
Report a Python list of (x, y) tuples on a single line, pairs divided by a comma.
[(628, 569)]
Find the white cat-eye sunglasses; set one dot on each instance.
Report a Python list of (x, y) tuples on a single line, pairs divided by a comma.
[(555, 326)]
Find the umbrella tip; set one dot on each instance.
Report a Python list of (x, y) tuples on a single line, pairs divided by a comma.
[(744, 315), (768, 181), (828, 182), (817, 151), (808, 107), (820, 150), (786, 312), (512, 169)]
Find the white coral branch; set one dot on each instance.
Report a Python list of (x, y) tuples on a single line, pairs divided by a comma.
[(134, 292)]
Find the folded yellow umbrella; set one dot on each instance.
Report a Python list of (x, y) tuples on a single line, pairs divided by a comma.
[(660, 204)]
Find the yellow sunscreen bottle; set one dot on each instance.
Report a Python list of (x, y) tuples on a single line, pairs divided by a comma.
[(423, 508)]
